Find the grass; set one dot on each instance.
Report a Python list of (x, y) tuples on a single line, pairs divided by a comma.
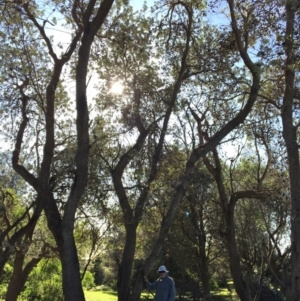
[(100, 296), (219, 295), (108, 296), (222, 295)]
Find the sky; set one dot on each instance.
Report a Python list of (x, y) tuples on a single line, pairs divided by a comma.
[(137, 4)]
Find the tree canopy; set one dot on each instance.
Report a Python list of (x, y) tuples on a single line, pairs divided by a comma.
[(195, 152)]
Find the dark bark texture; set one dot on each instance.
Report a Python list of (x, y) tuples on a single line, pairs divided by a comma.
[(290, 137)]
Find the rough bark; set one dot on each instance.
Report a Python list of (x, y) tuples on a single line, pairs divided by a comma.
[(127, 261), (202, 255), (290, 137), (234, 258)]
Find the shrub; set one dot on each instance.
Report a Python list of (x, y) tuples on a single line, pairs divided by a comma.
[(88, 280), (44, 282)]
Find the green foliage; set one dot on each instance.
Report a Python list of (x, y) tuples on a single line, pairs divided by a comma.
[(7, 273), (144, 52), (44, 283), (88, 281)]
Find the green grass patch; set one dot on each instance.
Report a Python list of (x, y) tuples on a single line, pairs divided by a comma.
[(224, 295), (219, 295), (109, 296), (100, 296), (147, 296)]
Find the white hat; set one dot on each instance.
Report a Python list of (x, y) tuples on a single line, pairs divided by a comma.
[(162, 268)]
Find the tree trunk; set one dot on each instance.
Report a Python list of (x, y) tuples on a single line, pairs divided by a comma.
[(197, 220), (62, 227), (234, 258), (290, 137), (71, 279), (185, 181), (124, 273), (151, 259), (14, 285), (205, 276), (23, 235), (19, 234), (138, 286), (19, 276)]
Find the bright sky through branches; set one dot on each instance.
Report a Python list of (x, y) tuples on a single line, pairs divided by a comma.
[(116, 88)]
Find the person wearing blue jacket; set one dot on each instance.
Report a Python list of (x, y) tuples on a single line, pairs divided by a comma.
[(164, 286)]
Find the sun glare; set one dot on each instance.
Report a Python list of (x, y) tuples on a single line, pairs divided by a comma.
[(117, 88)]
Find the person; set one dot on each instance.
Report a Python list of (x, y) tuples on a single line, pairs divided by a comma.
[(164, 286)]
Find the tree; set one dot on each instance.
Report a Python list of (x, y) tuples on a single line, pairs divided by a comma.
[(18, 222), (15, 224), (283, 59), (44, 283), (291, 141), (86, 19), (21, 267), (214, 140), (182, 65), (198, 222), (136, 118)]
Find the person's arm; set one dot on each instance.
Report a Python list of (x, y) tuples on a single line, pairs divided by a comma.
[(149, 285)]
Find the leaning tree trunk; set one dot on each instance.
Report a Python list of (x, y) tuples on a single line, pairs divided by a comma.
[(19, 276), (19, 234), (185, 181), (24, 237), (234, 258)]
